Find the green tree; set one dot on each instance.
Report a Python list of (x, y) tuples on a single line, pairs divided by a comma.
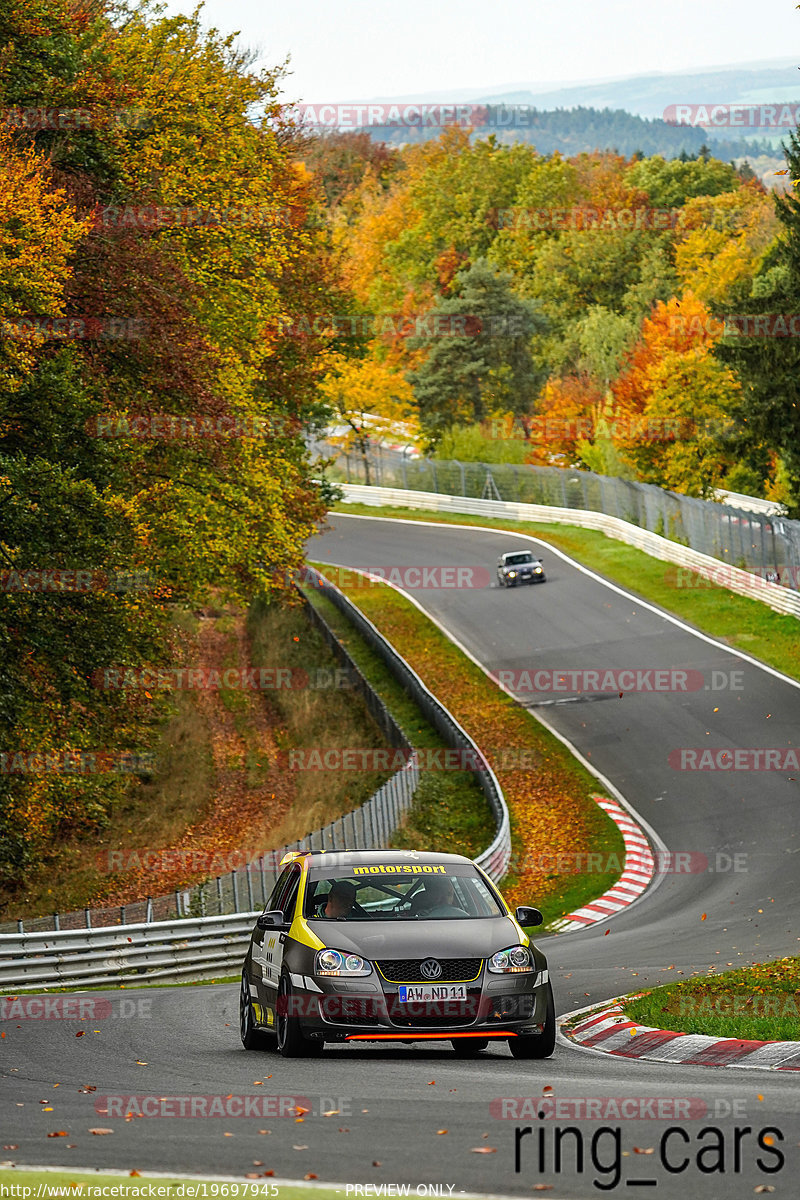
[(479, 364), (770, 365)]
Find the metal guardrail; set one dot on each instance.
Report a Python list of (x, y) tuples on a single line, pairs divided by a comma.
[(781, 599), (205, 946), (494, 860), (247, 889), (166, 951), (754, 540)]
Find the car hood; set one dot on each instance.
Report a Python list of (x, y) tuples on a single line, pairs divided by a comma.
[(419, 939)]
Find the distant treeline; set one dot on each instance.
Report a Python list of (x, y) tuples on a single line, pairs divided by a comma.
[(584, 130)]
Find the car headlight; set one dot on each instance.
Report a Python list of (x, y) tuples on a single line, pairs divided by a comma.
[(512, 960), (337, 962), (537, 570), (512, 574)]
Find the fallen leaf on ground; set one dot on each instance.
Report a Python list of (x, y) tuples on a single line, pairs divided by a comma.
[(59, 1133), (101, 1131), (484, 1150)]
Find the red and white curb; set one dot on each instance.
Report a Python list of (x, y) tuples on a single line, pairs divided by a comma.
[(609, 1030), (636, 876)]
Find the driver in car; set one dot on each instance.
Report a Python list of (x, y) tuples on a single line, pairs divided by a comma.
[(341, 899), (439, 900)]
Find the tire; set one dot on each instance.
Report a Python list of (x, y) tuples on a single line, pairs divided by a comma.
[(291, 1042), (252, 1038), (468, 1047), (538, 1045)]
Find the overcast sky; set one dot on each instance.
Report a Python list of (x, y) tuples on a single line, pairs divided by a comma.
[(359, 49)]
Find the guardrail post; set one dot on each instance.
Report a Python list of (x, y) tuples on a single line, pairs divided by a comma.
[(219, 896), (19, 927), (263, 879), (178, 912), (122, 914), (148, 916), (250, 888), (87, 916), (235, 886), (56, 922)]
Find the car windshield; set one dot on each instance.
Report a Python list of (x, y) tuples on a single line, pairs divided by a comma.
[(392, 893), (515, 560)]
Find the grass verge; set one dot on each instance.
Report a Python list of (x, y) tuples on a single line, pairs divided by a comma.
[(761, 1002), (450, 812), (747, 625), (549, 793)]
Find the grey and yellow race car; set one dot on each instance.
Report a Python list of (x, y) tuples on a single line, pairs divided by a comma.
[(393, 945)]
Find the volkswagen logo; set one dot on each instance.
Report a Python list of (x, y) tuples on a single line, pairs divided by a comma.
[(430, 969)]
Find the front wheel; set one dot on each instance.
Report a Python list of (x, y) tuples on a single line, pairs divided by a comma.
[(538, 1045), (252, 1038), (291, 1042)]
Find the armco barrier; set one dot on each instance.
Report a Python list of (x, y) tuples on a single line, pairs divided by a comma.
[(780, 599), (247, 888), (206, 946), (494, 860), (166, 951)]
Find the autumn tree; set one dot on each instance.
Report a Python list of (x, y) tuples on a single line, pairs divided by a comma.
[(478, 353)]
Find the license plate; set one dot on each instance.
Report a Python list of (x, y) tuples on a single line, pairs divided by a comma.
[(430, 992)]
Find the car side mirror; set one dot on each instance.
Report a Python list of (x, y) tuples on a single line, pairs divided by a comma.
[(528, 916), (271, 920)]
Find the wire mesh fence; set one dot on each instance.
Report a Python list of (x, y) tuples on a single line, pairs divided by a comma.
[(757, 542), (247, 888)]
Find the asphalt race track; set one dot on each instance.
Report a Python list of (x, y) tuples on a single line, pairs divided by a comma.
[(392, 1103)]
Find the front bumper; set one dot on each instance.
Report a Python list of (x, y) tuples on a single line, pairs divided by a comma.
[(517, 579), (497, 1006)]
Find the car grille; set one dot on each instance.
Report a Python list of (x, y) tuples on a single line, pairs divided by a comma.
[(447, 1013), (407, 970)]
